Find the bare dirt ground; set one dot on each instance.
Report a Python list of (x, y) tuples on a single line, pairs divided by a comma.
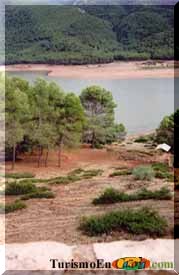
[(58, 219), (115, 70)]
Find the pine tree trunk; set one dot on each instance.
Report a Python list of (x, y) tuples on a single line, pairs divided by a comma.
[(59, 154), (40, 155), (14, 156), (46, 159), (93, 140)]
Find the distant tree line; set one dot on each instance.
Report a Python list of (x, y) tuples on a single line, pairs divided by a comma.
[(41, 117), (88, 34)]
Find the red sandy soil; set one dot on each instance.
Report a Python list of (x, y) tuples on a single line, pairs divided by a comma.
[(82, 157), (58, 219), (115, 70)]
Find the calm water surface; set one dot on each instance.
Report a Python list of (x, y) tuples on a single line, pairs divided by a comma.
[(142, 103)]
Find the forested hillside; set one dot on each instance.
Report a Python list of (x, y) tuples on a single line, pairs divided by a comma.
[(88, 34)]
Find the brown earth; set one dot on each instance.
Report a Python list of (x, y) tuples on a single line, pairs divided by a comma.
[(58, 219), (115, 70)]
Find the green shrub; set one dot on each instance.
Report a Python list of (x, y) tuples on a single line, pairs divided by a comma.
[(141, 221), (31, 181), (75, 175), (73, 178), (19, 188), (121, 173), (141, 139), (38, 194), (24, 175), (11, 207), (162, 194), (164, 175), (91, 173), (160, 167), (112, 195), (143, 173), (98, 145), (76, 171), (64, 180)]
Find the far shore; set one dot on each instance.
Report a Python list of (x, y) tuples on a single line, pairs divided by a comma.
[(115, 70)]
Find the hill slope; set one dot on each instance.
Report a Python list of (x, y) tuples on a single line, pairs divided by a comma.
[(87, 34)]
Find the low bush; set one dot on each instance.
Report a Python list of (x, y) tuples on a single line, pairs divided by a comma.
[(11, 207), (164, 175), (76, 171), (112, 195), (75, 175), (141, 139), (24, 175), (19, 188), (91, 173), (38, 194), (143, 173), (160, 167), (140, 221), (28, 190), (64, 180), (121, 173), (161, 194)]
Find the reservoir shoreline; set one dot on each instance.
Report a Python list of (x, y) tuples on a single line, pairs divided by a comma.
[(115, 70)]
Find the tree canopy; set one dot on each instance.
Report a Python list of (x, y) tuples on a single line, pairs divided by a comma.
[(41, 116), (99, 108), (88, 34)]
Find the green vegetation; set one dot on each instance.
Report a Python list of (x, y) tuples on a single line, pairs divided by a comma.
[(162, 171), (160, 167), (11, 207), (112, 195), (168, 176), (165, 132), (141, 139), (141, 221), (99, 107), (16, 113), (28, 185), (124, 172), (75, 175), (53, 119), (28, 189), (19, 188), (158, 170), (143, 173), (88, 34), (24, 175), (39, 194)]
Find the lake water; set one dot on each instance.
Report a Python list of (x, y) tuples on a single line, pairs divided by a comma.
[(142, 103)]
